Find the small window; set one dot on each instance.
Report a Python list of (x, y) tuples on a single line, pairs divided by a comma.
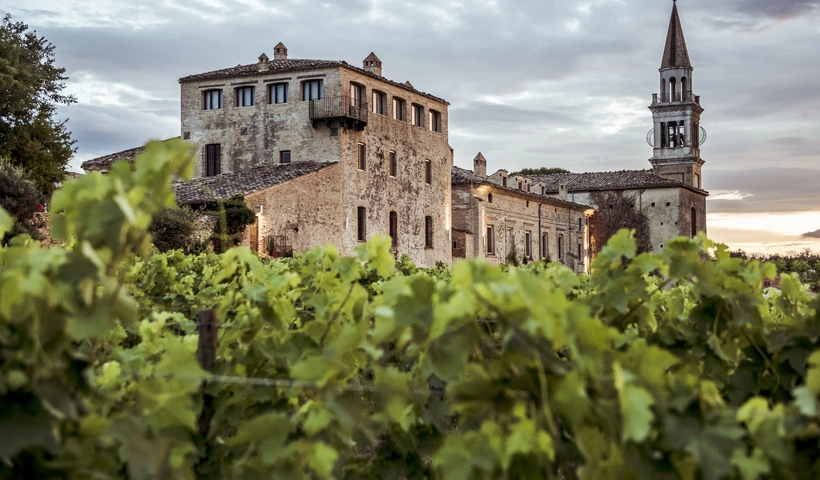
[(361, 157), (694, 222), (212, 99), (357, 95), (418, 115), (560, 247), (580, 224), (394, 164), (213, 159), (361, 225), (428, 172), (545, 246), (580, 252), (528, 244), (284, 156), (312, 90), (489, 198), (490, 240), (504, 181), (435, 121), (394, 228), (379, 102), (399, 109), (244, 96), (279, 93), (428, 232)]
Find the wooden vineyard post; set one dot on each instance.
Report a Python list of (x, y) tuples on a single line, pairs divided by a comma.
[(208, 326)]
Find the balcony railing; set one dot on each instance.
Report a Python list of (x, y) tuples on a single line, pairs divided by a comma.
[(348, 109), (684, 97)]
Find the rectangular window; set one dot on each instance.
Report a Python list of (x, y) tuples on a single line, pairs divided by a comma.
[(284, 156), (519, 185), (361, 157), (357, 96), (560, 247), (504, 181), (490, 240), (394, 164), (379, 103), (418, 115), (545, 246), (528, 244), (279, 93), (428, 172), (244, 96), (361, 225), (581, 224), (394, 228), (213, 99), (312, 90), (213, 159), (398, 109), (428, 232), (579, 252), (435, 121)]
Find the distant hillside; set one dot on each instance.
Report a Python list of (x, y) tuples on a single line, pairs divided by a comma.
[(814, 234)]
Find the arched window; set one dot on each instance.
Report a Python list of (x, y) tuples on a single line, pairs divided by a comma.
[(683, 89), (490, 198), (664, 96), (673, 90)]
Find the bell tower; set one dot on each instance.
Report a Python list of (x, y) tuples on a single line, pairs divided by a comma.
[(677, 135)]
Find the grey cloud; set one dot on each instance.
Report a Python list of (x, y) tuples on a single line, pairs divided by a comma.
[(771, 189)]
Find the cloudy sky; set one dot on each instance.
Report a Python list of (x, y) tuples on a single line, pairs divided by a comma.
[(561, 83)]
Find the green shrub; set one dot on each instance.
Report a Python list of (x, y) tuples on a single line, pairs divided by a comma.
[(20, 198)]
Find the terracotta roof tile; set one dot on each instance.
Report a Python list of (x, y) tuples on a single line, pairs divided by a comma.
[(462, 176), (244, 182), (294, 65)]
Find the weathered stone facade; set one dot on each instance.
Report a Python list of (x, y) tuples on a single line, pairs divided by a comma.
[(494, 221), (389, 139)]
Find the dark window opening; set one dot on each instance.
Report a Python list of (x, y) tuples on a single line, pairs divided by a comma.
[(560, 247), (394, 165), (394, 228), (490, 198), (528, 244), (545, 246), (361, 226), (379, 103), (398, 109), (428, 232), (504, 181), (428, 172), (435, 121), (490, 240), (213, 159), (694, 222), (284, 156), (418, 115)]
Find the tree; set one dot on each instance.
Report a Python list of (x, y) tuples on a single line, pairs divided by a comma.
[(175, 229), (232, 216), (540, 171), (621, 211), (20, 198), (30, 90)]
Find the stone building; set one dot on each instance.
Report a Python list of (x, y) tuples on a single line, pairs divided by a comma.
[(497, 216), (389, 141), (670, 194)]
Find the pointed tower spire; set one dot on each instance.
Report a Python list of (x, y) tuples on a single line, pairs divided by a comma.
[(675, 53)]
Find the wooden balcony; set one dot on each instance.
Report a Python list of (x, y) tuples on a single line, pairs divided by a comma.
[(351, 112)]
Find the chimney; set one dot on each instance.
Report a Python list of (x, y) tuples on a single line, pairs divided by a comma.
[(280, 52), (563, 191), (480, 165), (372, 64), (263, 63)]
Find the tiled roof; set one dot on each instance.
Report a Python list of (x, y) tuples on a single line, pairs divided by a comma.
[(293, 65), (462, 176), (104, 162), (623, 180), (246, 181)]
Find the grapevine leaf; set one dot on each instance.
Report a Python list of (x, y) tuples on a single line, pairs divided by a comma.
[(752, 467)]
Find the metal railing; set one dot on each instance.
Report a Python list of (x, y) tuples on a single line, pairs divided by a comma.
[(336, 107)]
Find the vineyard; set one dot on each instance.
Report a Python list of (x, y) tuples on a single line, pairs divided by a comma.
[(671, 365)]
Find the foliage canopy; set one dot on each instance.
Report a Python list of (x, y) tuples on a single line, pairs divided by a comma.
[(30, 90), (540, 171)]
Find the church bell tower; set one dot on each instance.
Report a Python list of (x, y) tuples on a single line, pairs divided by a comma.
[(677, 135)]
